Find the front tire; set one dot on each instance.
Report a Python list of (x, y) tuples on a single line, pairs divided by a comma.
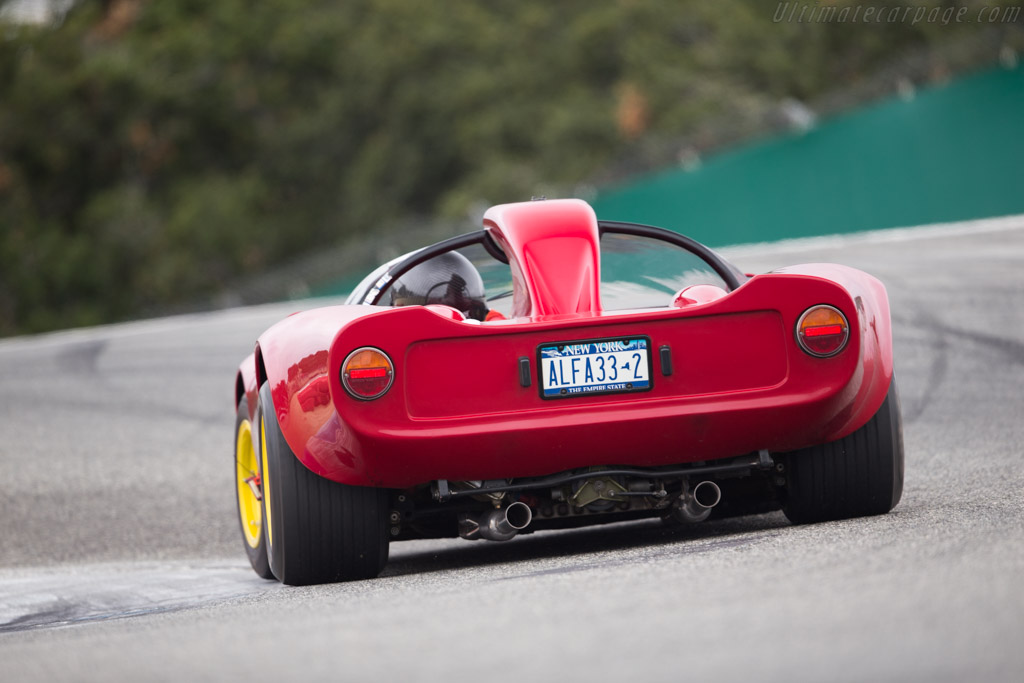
[(318, 530), (858, 475)]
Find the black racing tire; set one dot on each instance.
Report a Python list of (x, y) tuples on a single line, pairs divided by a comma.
[(318, 531), (247, 504), (856, 476)]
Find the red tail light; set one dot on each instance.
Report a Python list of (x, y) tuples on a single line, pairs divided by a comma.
[(822, 331), (367, 373)]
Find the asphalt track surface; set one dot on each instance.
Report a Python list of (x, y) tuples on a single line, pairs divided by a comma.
[(120, 558)]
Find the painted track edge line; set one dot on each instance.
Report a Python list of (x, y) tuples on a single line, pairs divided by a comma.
[(886, 235)]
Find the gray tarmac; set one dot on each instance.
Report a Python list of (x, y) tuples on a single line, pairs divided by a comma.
[(120, 557)]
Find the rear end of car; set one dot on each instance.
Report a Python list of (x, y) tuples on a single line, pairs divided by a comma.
[(649, 388)]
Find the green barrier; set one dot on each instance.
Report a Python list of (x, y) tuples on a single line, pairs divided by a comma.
[(953, 152)]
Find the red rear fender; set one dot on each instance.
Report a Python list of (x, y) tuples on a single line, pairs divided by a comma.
[(871, 319)]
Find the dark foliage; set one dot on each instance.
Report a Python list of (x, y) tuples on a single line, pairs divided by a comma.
[(151, 153)]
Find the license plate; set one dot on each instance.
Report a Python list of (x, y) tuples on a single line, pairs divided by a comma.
[(601, 366)]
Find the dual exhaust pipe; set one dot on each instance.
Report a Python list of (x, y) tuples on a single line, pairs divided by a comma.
[(496, 525), (502, 524)]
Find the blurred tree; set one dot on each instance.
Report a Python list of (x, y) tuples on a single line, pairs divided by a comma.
[(151, 153)]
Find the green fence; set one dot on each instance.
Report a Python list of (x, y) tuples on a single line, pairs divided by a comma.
[(952, 152)]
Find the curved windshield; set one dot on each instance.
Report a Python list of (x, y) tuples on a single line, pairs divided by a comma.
[(638, 271), (641, 267)]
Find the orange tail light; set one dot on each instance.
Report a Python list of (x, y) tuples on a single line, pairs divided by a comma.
[(822, 331), (367, 373)]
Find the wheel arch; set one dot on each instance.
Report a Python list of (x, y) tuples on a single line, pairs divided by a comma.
[(239, 387), (246, 383)]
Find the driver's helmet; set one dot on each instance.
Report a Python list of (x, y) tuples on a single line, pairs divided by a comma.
[(448, 279)]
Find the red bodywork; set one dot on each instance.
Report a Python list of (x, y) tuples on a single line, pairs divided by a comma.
[(458, 411)]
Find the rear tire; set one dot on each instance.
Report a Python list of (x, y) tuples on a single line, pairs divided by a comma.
[(318, 531), (250, 514), (858, 475)]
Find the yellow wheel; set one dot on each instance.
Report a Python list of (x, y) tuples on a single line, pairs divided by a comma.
[(249, 492), (266, 471), (247, 478)]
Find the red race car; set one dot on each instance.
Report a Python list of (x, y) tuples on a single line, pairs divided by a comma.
[(552, 370)]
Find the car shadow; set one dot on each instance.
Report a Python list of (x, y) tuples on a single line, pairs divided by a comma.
[(446, 554)]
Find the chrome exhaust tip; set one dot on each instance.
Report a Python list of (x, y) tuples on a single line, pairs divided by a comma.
[(496, 525), (695, 505), (518, 515), (706, 494)]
